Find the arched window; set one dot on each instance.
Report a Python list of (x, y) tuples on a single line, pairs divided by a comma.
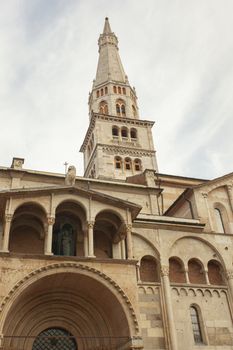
[(114, 89), (106, 90), (124, 91), (197, 334), (137, 165), (118, 162), (215, 272), (196, 272), (97, 93), (176, 271), (149, 269), (102, 92), (120, 108), (103, 107), (115, 131), (128, 164), (119, 90), (219, 220), (133, 134), (124, 133)]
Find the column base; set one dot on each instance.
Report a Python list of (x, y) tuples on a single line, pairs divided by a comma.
[(48, 253), (91, 256), (4, 251)]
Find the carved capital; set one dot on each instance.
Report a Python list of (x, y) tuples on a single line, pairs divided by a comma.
[(229, 274), (51, 220), (204, 194), (164, 270), (90, 224), (128, 228), (8, 217)]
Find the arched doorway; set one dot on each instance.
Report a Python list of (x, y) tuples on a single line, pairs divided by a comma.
[(71, 298), (56, 339)]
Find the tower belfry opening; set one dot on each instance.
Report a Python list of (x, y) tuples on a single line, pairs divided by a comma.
[(117, 143)]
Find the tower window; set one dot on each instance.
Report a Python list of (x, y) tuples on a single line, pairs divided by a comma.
[(120, 107), (118, 162), (106, 90), (103, 107), (102, 92), (197, 334), (118, 110), (124, 133), (97, 93), (133, 134), (115, 131), (137, 165), (119, 90), (114, 89), (124, 91), (128, 164)]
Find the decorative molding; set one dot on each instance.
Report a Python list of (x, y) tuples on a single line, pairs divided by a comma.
[(117, 150), (229, 274), (51, 220), (8, 217), (80, 267), (195, 292), (90, 224), (164, 270)]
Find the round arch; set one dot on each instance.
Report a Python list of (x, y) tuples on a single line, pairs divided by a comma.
[(205, 242), (40, 301)]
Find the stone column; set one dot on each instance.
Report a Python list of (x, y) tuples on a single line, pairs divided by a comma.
[(229, 275), (168, 303), (123, 255), (206, 276), (49, 236), (6, 233), (90, 226), (186, 271), (205, 196), (85, 242), (129, 241)]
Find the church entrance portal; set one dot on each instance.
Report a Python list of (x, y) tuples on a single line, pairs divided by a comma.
[(66, 308), (55, 339)]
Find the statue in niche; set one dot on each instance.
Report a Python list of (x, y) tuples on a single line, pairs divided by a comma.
[(66, 241)]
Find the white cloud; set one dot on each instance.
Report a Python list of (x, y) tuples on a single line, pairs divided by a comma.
[(178, 55)]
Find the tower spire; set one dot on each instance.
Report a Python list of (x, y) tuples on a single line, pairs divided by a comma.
[(107, 28)]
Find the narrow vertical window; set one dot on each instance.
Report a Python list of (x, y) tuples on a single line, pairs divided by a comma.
[(102, 92), (219, 220), (118, 110), (114, 89), (124, 91), (118, 162), (97, 93), (128, 164), (119, 90), (137, 165), (115, 131), (197, 334), (106, 90)]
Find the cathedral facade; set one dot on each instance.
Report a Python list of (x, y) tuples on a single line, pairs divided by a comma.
[(124, 257)]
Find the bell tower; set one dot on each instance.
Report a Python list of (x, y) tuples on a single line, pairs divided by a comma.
[(117, 143)]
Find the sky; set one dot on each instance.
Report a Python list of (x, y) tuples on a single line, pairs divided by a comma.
[(177, 53)]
